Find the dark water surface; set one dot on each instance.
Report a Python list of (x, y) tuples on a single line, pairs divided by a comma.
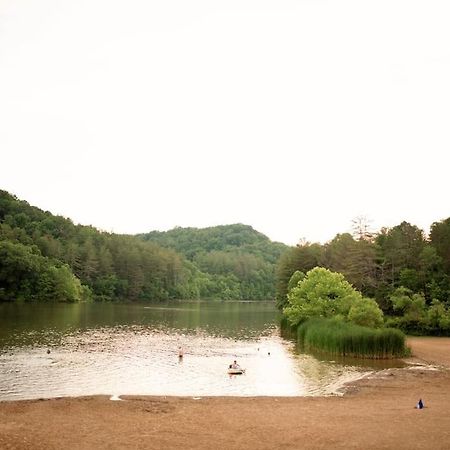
[(116, 349)]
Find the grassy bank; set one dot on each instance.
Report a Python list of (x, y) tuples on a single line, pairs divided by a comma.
[(346, 339)]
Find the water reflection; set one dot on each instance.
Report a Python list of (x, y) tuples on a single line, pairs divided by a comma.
[(133, 349), (41, 324)]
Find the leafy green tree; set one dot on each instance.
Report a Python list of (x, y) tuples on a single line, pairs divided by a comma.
[(303, 258), (297, 276), (337, 253), (64, 286), (355, 259), (27, 275), (411, 307), (323, 293), (410, 278), (401, 248), (440, 240), (439, 317)]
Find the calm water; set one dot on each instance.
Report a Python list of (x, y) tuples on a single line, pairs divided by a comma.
[(117, 349)]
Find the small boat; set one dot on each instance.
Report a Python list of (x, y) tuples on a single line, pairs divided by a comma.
[(236, 371)]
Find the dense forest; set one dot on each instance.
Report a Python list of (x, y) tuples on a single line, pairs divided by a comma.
[(406, 272), (238, 262), (44, 257)]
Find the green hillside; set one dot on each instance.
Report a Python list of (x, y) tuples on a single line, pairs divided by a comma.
[(44, 257), (238, 261)]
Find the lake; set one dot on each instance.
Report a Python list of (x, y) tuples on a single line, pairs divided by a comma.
[(116, 349)]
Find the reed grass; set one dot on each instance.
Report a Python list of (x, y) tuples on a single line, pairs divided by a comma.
[(346, 339)]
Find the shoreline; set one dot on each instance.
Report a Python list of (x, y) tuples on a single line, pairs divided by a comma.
[(375, 411)]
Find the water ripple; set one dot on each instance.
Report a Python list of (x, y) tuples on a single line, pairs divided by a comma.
[(144, 360)]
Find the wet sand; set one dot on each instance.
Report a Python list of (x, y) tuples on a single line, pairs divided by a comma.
[(376, 412)]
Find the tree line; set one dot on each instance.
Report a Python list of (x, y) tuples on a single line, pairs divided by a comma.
[(44, 257), (405, 271)]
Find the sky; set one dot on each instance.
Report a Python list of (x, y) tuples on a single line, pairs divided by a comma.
[(293, 117)]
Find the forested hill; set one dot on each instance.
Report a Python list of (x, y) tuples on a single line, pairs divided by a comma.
[(238, 261), (223, 238), (44, 257), (47, 258)]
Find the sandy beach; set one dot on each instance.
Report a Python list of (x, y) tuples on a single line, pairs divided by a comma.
[(376, 412)]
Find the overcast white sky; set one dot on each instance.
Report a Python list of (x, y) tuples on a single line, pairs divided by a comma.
[(290, 116)]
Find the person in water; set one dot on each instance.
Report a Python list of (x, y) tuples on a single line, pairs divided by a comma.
[(235, 365), (180, 352)]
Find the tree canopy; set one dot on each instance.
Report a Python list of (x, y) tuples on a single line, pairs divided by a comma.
[(378, 265), (322, 293), (237, 261), (48, 258)]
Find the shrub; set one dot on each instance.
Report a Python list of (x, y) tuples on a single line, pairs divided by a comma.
[(366, 313)]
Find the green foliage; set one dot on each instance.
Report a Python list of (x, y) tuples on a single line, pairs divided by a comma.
[(301, 258), (224, 238), (355, 259), (47, 257), (323, 293), (401, 247), (367, 313), (236, 262), (439, 317), (408, 303), (297, 276), (410, 278), (346, 339), (378, 265), (226, 262), (440, 240), (27, 275), (414, 316)]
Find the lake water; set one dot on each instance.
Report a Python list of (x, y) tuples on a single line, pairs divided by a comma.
[(118, 349)]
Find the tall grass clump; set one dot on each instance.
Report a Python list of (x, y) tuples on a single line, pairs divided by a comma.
[(347, 339)]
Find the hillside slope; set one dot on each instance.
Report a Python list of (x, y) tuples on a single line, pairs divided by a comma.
[(44, 257), (239, 262)]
